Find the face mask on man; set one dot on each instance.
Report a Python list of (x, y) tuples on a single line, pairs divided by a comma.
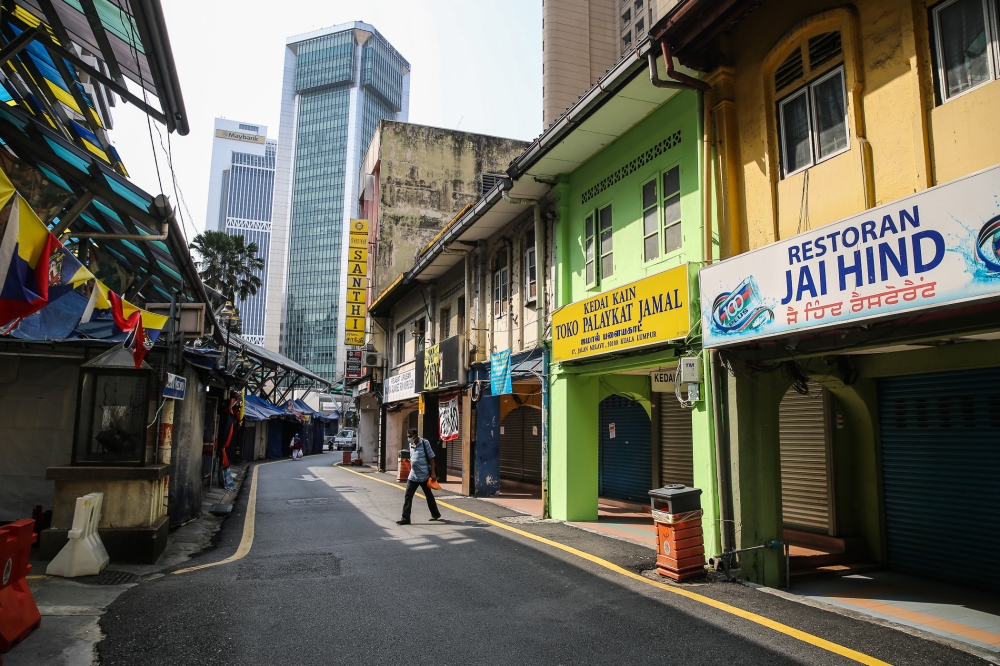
[(411, 439)]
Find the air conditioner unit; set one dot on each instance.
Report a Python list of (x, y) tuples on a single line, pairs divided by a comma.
[(373, 359)]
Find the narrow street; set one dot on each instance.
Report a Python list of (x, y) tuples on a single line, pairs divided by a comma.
[(331, 579)]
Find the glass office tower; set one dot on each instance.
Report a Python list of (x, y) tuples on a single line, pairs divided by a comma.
[(338, 84), (240, 198)]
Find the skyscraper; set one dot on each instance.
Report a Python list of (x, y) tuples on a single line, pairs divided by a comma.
[(240, 191), (338, 84)]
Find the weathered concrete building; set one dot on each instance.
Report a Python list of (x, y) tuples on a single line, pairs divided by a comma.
[(416, 179)]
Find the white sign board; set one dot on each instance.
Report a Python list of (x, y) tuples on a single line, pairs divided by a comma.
[(400, 387), (662, 381), (939, 247)]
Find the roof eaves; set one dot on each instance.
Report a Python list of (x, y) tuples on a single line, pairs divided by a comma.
[(455, 230), (605, 88)]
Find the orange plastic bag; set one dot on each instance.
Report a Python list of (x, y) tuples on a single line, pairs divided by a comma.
[(433, 484)]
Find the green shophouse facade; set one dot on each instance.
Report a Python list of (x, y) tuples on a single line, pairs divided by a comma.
[(630, 212)]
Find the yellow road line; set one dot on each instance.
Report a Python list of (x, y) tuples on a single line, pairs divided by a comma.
[(248, 528), (708, 601)]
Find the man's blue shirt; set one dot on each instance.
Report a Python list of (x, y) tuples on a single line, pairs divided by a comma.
[(420, 455)]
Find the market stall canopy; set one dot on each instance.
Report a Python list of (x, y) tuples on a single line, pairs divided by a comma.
[(300, 409), (267, 373), (65, 61), (258, 409)]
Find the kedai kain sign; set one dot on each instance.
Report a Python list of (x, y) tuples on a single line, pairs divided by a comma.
[(646, 312), (939, 247)]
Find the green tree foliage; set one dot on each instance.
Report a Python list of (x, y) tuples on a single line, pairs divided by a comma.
[(228, 264)]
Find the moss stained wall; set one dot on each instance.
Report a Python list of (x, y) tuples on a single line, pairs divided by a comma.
[(427, 175)]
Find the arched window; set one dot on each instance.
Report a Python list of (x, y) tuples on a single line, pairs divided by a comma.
[(811, 87)]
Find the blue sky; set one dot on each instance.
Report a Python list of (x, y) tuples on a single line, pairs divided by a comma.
[(477, 66)]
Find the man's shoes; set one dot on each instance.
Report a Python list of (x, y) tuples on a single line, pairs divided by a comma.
[(402, 522), (435, 517)]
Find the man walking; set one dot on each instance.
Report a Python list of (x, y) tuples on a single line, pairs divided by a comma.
[(421, 469)]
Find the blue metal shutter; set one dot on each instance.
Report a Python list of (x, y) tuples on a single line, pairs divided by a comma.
[(626, 460), (940, 438)]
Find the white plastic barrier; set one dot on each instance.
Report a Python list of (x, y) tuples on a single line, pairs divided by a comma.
[(84, 553)]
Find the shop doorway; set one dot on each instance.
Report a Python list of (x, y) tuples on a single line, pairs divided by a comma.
[(521, 445), (625, 467), (806, 486), (940, 440)]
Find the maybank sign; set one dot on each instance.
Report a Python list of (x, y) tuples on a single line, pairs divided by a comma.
[(240, 136), (937, 248), (650, 311)]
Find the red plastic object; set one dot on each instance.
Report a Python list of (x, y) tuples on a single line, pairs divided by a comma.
[(19, 615), (347, 458), (680, 549), (404, 470)]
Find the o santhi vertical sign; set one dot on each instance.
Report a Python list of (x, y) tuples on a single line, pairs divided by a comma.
[(646, 312), (357, 284)]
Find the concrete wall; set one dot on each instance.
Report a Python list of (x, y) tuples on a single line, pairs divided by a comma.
[(902, 138), (37, 417), (186, 456), (427, 175)]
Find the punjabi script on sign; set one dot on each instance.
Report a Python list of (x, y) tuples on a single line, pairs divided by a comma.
[(910, 291)]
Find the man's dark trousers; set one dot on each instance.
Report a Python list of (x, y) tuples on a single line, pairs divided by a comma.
[(411, 488)]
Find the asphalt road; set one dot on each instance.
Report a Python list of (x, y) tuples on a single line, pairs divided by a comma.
[(331, 579)]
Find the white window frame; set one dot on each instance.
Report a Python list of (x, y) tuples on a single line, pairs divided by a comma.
[(643, 209), (400, 347), (809, 91), (501, 283), (529, 282), (993, 50), (663, 196)]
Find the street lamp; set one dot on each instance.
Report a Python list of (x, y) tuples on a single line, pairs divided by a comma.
[(230, 315)]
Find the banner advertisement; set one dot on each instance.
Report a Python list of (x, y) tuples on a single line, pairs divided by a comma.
[(449, 418), (357, 284), (939, 247), (400, 387), (500, 373), (647, 312)]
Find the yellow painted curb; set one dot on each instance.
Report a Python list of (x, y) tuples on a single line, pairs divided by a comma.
[(803, 636), (248, 527)]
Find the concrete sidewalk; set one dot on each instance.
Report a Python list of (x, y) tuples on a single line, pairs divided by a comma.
[(71, 608)]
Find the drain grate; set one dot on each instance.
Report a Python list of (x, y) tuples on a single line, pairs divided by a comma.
[(109, 577)]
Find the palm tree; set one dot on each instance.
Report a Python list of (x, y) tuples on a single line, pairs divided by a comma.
[(228, 264)]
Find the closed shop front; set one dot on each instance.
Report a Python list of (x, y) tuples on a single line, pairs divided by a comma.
[(521, 445), (625, 463), (805, 460), (940, 444), (676, 445)]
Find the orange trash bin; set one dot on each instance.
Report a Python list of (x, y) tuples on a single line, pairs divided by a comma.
[(680, 541)]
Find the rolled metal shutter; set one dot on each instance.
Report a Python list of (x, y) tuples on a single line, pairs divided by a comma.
[(512, 446), (676, 442), (626, 461), (940, 436), (532, 444), (805, 490)]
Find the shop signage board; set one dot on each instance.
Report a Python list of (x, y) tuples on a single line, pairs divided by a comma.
[(354, 368), (650, 311), (440, 366), (662, 381), (357, 284), (936, 248), (400, 387), (432, 367)]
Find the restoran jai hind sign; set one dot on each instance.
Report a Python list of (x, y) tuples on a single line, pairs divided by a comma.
[(938, 247), (650, 311)]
